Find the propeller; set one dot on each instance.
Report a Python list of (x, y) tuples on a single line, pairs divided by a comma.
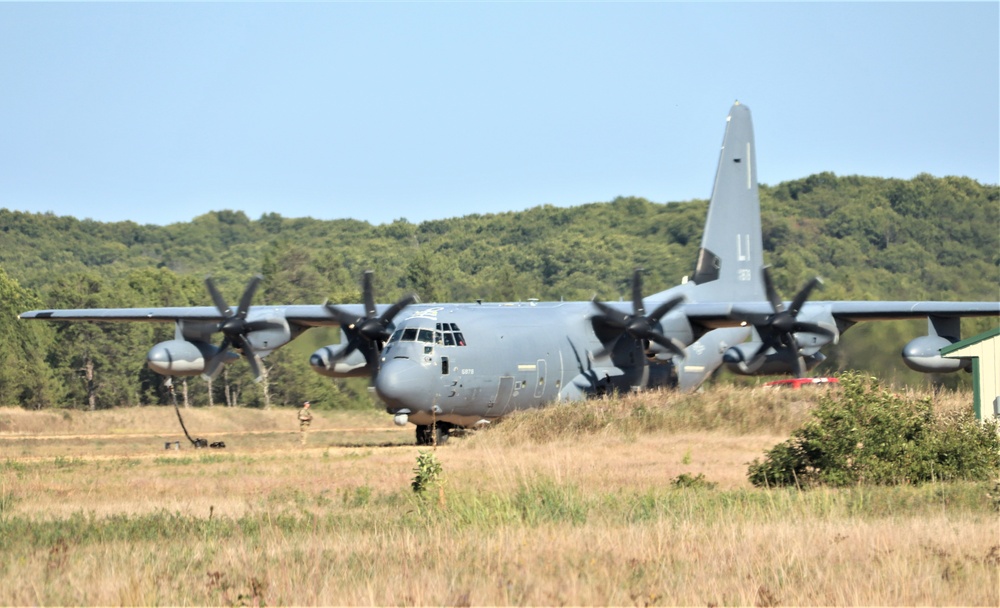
[(235, 328), (370, 331), (777, 330), (638, 325)]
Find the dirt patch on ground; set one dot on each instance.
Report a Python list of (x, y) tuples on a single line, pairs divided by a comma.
[(155, 420)]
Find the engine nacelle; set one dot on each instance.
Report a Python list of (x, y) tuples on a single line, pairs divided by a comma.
[(276, 334), (737, 357), (923, 355), (182, 358), (325, 363)]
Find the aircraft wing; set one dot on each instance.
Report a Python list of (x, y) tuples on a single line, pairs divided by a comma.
[(308, 315), (883, 311), (730, 314), (707, 314)]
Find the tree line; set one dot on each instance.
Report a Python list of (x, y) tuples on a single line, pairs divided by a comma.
[(869, 238)]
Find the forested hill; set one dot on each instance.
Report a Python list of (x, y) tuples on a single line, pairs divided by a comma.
[(869, 238)]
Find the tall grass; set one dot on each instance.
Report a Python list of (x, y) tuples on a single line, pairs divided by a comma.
[(715, 409), (587, 515), (543, 543)]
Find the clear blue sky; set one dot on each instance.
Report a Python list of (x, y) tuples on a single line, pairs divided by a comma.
[(158, 113)]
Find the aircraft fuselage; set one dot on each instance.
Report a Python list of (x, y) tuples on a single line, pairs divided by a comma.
[(467, 364)]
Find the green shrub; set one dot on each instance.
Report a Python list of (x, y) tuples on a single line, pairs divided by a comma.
[(427, 473), (687, 480), (865, 434)]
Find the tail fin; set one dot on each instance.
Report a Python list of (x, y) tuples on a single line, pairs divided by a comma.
[(732, 249)]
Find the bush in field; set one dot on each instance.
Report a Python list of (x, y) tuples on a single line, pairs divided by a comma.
[(865, 434), (427, 473)]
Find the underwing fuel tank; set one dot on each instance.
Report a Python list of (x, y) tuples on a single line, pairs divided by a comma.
[(923, 355), (182, 358)]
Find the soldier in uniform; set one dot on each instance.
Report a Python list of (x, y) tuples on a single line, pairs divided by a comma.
[(305, 419)]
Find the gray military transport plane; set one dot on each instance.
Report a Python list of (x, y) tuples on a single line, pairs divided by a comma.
[(441, 366)]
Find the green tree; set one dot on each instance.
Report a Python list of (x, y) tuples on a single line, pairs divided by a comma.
[(25, 379)]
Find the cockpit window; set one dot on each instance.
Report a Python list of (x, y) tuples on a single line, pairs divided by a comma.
[(446, 334)]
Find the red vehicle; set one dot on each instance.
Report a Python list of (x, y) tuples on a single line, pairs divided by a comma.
[(799, 382)]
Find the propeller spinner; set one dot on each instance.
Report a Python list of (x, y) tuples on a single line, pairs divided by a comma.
[(638, 325)]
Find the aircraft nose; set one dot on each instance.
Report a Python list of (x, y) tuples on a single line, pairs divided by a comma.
[(404, 383)]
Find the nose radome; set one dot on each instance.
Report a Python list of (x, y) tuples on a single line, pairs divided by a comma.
[(404, 383)]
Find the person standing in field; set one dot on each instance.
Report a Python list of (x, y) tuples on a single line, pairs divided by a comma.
[(305, 419)]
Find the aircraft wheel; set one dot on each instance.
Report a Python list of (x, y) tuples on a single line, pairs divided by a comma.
[(428, 434)]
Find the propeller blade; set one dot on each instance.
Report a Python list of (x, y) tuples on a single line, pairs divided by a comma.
[(772, 294), (612, 316), (800, 367), (800, 362), (803, 295), (759, 355), (217, 299), (255, 366), (212, 369), (368, 294), (607, 350), (352, 345), (638, 309), (247, 298), (671, 344), (243, 343), (215, 363), (664, 308), (394, 310), (343, 317)]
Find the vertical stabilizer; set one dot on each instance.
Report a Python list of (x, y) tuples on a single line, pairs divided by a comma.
[(732, 250)]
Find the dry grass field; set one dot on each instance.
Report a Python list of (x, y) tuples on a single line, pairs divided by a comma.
[(581, 504)]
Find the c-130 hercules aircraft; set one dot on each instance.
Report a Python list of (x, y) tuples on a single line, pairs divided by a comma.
[(441, 366)]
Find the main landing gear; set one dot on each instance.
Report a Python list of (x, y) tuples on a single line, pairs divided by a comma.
[(433, 434)]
